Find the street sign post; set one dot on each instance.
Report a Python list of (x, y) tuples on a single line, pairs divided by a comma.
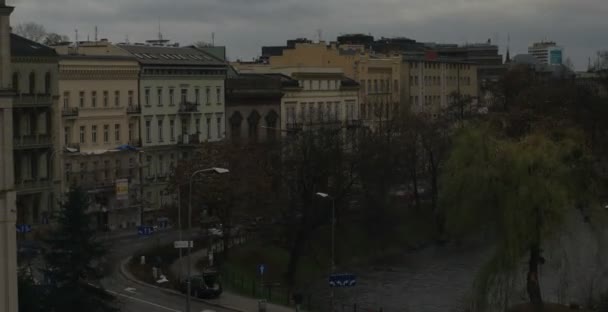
[(183, 244), (24, 228), (342, 280), (145, 230)]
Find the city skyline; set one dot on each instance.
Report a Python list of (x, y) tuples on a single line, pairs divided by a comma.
[(467, 21)]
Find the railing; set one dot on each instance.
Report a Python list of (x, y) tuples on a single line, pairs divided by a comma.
[(96, 184), (187, 107), (34, 141), (133, 109), (69, 112), (26, 184), (33, 100), (354, 123)]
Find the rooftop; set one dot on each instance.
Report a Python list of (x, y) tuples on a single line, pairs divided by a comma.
[(24, 47), (157, 55)]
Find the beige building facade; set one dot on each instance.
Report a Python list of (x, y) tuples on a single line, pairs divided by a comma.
[(100, 111), (8, 198)]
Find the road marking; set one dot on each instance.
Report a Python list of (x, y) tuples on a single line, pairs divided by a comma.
[(143, 301), (130, 289)]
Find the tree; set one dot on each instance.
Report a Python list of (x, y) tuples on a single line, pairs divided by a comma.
[(202, 44), (55, 39), (520, 189), (71, 260), (31, 31)]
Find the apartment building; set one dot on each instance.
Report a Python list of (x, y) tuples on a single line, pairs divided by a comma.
[(431, 86), (8, 198), (99, 100), (182, 104), (312, 96), (35, 131)]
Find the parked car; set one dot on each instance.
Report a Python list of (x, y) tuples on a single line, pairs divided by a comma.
[(216, 232), (205, 286)]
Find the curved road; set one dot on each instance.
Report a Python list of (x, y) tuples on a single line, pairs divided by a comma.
[(134, 297)]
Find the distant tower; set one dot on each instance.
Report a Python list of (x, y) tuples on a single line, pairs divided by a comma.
[(508, 58), (95, 33)]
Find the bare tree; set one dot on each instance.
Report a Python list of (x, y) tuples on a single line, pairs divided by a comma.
[(54, 39), (31, 31)]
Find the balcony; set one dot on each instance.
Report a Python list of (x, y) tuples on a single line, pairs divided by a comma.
[(33, 100), (188, 139), (32, 185), (187, 108), (101, 184), (69, 112), (133, 109), (32, 141)]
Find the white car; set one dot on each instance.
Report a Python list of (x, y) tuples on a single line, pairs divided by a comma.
[(216, 232)]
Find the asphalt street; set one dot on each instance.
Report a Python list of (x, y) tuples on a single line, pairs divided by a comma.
[(134, 297)]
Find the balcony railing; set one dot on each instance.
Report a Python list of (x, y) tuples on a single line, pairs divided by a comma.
[(69, 112), (187, 107), (33, 100), (133, 109), (32, 184), (32, 141)]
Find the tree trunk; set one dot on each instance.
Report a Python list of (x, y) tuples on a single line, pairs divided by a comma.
[(439, 218), (533, 285), (294, 257)]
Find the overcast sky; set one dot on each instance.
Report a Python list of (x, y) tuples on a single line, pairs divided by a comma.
[(580, 26)]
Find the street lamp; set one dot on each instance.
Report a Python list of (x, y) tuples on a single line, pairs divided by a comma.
[(189, 282), (333, 238)]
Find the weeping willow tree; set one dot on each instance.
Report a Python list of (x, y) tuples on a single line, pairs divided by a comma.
[(519, 191)]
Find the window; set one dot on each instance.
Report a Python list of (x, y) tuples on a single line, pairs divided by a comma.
[(363, 86), (149, 166), (32, 83), (303, 112), (105, 99), (396, 85), (83, 168), (382, 86), (93, 98), (130, 99), (106, 169), (197, 125), (369, 86), (94, 134), (171, 97), (338, 112), (147, 96), (106, 133), (375, 86), (148, 131), (320, 112), (159, 97), (388, 85), (117, 98), (66, 100), (172, 130), (117, 132), (47, 83), (184, 127), (219, 127), (66, 135), (117, 166), (218, 93), (16, 82), (131, 132), (184, 95), (311, 112), (82, 133), (197, 96), (161, 169), (208, 128), (208, 95), (81, 101), (160, 130)]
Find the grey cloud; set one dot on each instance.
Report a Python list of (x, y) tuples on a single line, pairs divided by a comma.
[(245, 25)]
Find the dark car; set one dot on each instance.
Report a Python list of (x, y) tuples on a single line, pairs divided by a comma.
[(205, 286)]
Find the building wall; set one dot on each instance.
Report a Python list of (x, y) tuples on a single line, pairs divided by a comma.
[(430, 85), (8, 210), (100, 111), (316, 55), (247, 128)]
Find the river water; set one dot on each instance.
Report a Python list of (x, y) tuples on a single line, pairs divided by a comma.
[(438, 279)]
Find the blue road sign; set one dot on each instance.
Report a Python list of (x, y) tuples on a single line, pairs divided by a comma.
[(145, 230), (24, 228), (261, 269), (342, 280)]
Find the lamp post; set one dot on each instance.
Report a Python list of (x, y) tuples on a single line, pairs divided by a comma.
[(333, 239), (188, 281)]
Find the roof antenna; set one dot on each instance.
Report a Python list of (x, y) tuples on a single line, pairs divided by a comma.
[(213, 39), (95, 33), (76, 39), (160, 35)]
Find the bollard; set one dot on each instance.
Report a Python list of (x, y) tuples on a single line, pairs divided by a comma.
[(142, 260), (262, 305)]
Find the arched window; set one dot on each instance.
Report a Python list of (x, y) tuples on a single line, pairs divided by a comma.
[(253, 121), (16, 82), (32, 83), (271, 122), (47, 83), (235, 125)]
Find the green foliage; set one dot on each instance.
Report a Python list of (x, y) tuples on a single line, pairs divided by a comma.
[(510, 187), (71, 259)]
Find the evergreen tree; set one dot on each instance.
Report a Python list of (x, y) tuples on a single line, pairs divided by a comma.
[(70, 260)]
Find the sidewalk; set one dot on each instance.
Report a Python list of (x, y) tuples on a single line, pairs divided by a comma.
[(227, 299)]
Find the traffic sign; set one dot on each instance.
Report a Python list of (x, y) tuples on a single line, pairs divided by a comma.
[(183, 244), (24, 228), (145, 230), (342, 280), (261, 269)]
